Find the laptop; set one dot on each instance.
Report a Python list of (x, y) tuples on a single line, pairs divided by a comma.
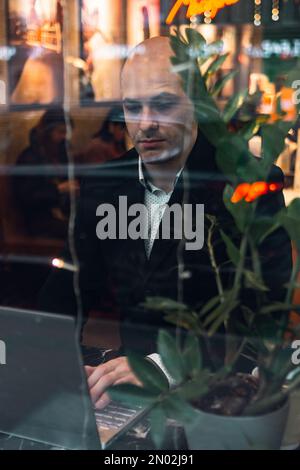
[(43, 393)]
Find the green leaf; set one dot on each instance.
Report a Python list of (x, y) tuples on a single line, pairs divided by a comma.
[(195, 388), (206, 112), (192, 356), (234, 104), (249, 130), (215, 65), (222, 310), (222, 317), (220, 84), (242, 212), (180, 36), (216, 313), (195, 38), (132, 395), (289, 218), (253, 282), (261, 228), (180, 49), (275, 307), (171, 356), (273, 143), (158, 422), (178, 409), (164, 304), (186, 320), (210, 305), (187, 66), (217, 324), (216, 47), (248, 316), (232, 251), (154, 380), (230, 156)]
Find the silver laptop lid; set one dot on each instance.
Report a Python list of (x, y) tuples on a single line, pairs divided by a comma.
[(43, 390)]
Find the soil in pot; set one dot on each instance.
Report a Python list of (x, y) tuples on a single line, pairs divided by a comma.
[(230, 396)]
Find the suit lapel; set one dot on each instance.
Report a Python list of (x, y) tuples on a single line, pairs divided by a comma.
[(198, 184), (134, 192), (199, 181), (162, 248)]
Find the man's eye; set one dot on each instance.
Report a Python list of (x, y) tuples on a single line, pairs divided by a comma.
[(133, 108), (164, 105)]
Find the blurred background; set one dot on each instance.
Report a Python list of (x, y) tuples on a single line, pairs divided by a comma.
[(60, 63)]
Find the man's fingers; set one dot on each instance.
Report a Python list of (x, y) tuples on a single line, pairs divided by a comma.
[(89, 370), (129, 378), (105, 399), (106, 375), (119, 364), (109, 380), (102, 385), (103, 402), (99, 372)]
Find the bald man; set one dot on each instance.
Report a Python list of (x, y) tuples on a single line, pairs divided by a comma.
[(159, 116), (171, 162)]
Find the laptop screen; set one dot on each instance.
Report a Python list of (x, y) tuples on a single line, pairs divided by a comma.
[(43, 393)]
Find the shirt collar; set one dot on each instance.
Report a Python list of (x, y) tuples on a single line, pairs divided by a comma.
[(147, 184)]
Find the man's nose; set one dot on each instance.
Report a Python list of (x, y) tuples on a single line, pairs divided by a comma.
[(148, 119)]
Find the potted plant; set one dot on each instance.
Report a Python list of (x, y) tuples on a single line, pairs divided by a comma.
[(223, 409)]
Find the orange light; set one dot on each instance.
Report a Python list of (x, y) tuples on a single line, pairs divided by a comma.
[(198, 7), (257, 189), (241, 191), (250, 192), (275, 187)]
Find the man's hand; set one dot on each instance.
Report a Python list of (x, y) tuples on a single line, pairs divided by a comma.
[(114, 372)]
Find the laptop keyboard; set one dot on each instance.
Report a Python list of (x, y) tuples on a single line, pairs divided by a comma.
[(115, 415), (11, 442)]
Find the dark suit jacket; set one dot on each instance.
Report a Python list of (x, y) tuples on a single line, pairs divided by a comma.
[(121, 266)]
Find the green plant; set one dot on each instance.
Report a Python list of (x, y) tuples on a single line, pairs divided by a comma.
[(262, 331)]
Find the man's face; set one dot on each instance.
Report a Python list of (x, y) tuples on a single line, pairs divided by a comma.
[(158, 114)]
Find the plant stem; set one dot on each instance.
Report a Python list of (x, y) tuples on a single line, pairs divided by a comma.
[(240, 267), (255, 259), (214, 263), (231, 351)]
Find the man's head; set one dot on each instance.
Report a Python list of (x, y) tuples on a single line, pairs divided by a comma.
[(159, 115)]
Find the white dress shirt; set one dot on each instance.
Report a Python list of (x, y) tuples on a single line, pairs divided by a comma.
[(156, 200)]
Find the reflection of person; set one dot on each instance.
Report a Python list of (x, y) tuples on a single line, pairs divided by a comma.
[(40, 77), (39, 11), (101, 49), (109, 142), (41, 80), (171, 162), (284, 100), (42, 199)]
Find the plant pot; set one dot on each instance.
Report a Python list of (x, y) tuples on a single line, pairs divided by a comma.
[(214, 432), (291, 438)]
